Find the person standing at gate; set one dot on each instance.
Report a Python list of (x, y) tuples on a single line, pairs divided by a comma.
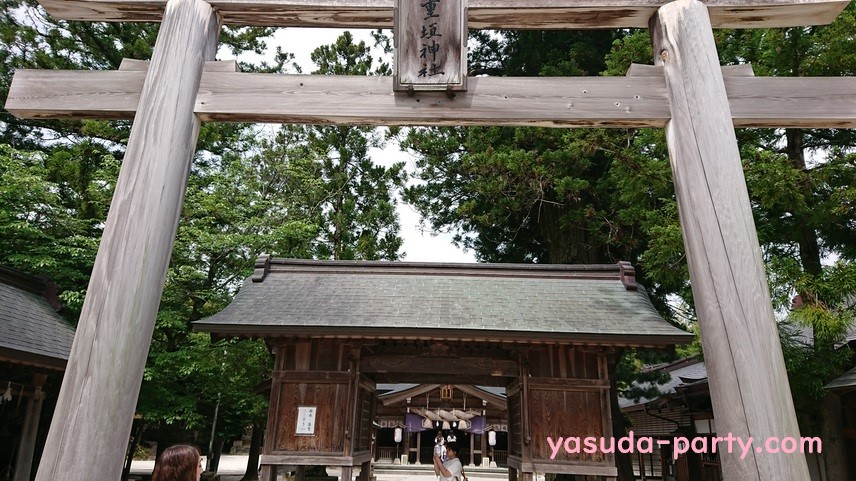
[(451, 469), (181, 462), (439, 446)]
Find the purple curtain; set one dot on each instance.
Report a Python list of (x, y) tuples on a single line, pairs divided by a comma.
[(413, 423), (477, 425)]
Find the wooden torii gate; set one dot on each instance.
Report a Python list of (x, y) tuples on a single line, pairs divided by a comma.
[(687, 94)]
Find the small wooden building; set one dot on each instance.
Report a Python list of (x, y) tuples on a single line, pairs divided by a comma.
[(547, 334), (465, 411), (34, 346), (683, 409), (844, 387)]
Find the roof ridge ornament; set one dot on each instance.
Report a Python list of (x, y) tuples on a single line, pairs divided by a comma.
[(628, 275), (262, 268)]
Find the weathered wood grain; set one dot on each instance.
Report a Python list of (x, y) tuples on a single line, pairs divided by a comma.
[(415, 365), (310, 459), (430, 46), (805, 102), (816, 102), (569, 412), (353, 100), (504, 101), (210, 66), (492, 14), (331, 401), (92, 421), (748, 381), (643, 70), (580, 469)]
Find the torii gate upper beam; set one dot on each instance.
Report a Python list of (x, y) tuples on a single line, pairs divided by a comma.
[(483, 14)]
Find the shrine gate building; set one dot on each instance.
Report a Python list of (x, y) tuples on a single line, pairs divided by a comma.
[(546, 334)]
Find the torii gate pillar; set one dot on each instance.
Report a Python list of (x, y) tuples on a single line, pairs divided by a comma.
[(105, 368), (748, 382)]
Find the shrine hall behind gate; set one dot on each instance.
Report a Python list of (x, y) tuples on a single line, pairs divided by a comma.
[(546, 333)]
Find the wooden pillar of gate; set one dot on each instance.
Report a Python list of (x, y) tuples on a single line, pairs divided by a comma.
[(418, 448), (30, 430), (561, 389), (748, 381), (406, 447), (321, 408), (92, 421)]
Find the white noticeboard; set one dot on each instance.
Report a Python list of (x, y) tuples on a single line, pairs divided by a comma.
[(305, 421)]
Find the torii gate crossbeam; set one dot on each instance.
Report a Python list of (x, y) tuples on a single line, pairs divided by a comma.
[(483, 14), (638, 100)]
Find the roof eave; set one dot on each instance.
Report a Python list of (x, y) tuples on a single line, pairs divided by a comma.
[(519, 337), (16, 356)]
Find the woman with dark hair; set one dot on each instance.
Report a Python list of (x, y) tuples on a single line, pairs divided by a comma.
[(178, 463), (451, 469)]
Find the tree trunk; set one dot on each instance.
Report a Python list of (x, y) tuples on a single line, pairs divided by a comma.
[(566, 244), (252, 473), (136, 437), (215, 455), (806, 236), (828, 411)]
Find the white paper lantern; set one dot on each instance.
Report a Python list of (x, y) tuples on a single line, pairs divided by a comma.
[(491, 437), (397, 435)]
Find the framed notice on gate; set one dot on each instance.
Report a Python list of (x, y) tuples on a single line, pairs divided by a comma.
[(430, 45), (305, 421)]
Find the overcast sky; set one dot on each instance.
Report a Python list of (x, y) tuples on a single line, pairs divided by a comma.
[(418, 245)]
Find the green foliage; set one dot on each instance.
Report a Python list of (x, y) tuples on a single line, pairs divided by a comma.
[(183, 386), (51, 214), (550, 195), (344, 57), (801, 187), (558, 196), (534, 195), (55, 192), (355, 206), (509, 194), (305, 192), (237, 206), (637, 374), (30, 38), (546, 53)]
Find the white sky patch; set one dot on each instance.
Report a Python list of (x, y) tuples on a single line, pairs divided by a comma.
[(420, 243)]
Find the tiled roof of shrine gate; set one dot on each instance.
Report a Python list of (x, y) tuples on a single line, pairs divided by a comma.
[(405, 300)]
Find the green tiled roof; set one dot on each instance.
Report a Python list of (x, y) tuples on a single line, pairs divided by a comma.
[(505, 302)]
